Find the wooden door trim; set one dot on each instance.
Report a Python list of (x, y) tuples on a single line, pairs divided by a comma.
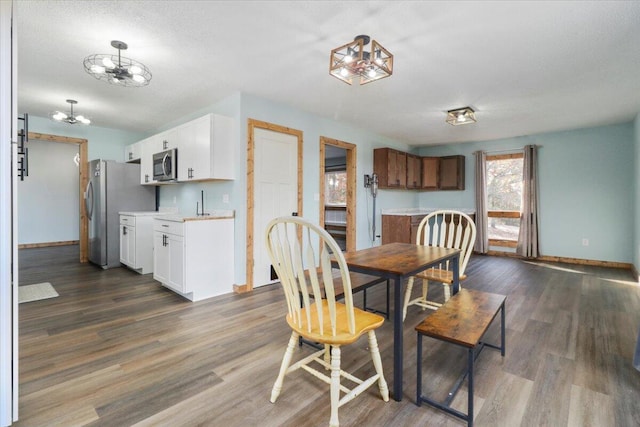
[(252, 125), (83, 171), (351, 186)]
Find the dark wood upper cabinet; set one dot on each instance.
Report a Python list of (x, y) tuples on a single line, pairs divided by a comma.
[(414, 171), (391, 167), (430, 173), (452, 173), (400, 170)]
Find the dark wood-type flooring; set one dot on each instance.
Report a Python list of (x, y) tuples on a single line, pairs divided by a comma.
[(117, 349)]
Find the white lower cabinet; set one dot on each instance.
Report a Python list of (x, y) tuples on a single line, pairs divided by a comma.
[(169, 260), (194, 257), (136, 241)]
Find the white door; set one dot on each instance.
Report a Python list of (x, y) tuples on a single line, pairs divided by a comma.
[(275, 193)]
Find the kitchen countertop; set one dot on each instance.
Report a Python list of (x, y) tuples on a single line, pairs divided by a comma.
[(143, 213), (216, 214), (423, 211)]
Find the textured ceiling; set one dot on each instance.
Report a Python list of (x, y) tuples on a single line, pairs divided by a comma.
[(525, 67)]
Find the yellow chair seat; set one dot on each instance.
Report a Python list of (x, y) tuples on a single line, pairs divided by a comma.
[(364, 321)]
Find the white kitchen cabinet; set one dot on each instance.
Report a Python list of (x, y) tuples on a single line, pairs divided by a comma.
[(169, 260), (149, 147), (168, 139), (194, 256), (205, 149), (136, 240), (133, 152)]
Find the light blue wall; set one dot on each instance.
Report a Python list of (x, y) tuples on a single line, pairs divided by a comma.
[(104, 143), (586, 184), (636, 187), (242, 107)]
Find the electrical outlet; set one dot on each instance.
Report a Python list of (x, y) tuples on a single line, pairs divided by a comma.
[(585, 241)]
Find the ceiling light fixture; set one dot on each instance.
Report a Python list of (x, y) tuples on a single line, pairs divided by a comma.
[(117, 69), (70, 118), (461, 116), (351, 61)]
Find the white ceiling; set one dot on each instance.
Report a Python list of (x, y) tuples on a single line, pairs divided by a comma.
[(525, 67)]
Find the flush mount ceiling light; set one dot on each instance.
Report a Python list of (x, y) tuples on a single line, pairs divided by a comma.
[(70, 118), (461, 116), (117, 69), (351, 61)]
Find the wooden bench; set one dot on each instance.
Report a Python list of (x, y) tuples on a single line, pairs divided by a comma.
[(462, 320)]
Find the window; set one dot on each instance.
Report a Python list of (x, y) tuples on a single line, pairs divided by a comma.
[(335, 188), (504, 198)]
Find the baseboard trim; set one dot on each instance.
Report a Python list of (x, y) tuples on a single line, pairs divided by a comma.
[(48, 244), (596, 263), (241, 289)]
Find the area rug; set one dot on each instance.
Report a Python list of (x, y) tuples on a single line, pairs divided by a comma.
[(36, 292)]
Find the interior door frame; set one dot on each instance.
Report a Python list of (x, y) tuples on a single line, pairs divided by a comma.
[(351, 186), (253, 124), (83, 171)]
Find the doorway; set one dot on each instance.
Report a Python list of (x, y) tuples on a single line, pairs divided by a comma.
[(274, 188), (348, 153), (83, 170)]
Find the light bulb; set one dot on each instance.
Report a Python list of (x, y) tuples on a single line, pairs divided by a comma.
[(115, 80), (138, 78), (135, 70), (83, 120), (461, 117), (97, 69), (371, 73), (59, 115), (80, 118), (379, 59), (344, 72), (349, 57), (107, 62)]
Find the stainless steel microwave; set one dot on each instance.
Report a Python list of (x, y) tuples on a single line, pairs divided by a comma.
[(165, 165)]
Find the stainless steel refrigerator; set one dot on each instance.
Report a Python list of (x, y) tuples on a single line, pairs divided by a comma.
[(112, 187)]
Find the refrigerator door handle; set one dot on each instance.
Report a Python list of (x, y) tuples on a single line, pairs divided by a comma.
[(88, 200)]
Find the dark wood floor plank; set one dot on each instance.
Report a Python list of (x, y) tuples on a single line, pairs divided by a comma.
[(547, 405), (117, 349)]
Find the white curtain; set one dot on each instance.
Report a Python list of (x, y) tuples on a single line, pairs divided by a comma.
[(528, 236), (482, 239)]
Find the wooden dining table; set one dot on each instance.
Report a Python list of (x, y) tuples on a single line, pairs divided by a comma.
[(397, 262)]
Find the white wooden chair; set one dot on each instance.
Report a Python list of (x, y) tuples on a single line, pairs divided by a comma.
[(447, 229), (318, 317)]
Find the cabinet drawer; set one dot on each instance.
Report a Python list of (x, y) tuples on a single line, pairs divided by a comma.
[(129, 220), (171, 227)]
